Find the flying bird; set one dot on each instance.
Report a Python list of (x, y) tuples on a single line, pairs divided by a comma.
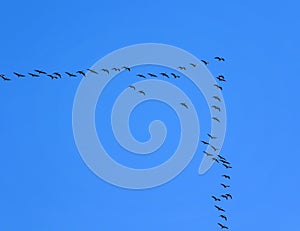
[(141, 76), (221, 157), (175, 76), (215, 198), (207, 154), (215, 159), (219, 58), (226, 176), (222, 226), (40, 72), (33, 75), (142, 92), (193, 64), (19, 75), (115, 69), (81, 73), (218, 86), (227, 166), (224, 162), (164, 74), (225, 186), (228, 195), (204, 142), (216, 107), (184, 104), (223, 217), (214, 148), (216, 119), (221, 79), (152, 75), (93, 71), (126, 68), (205, 62), (212, 137), (70, 74), (224, 196), (52, 77), (219, 208), (132, 87), (105, 70), (4, 78), (182, 68), (57, 74), (217, 98)]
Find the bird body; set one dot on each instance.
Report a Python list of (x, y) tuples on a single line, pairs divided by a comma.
[(184, 104), (219, 208), (105, 70), (175, 76), (81, 73), (40, 72), (225, 186), (228, 195), (226, 176), (211, 137), (216, 107), (93, 71), (19, 75), (217, 98), (193, 64), (223, 217), (33, 75), (205, 62), (126, 68), (4, 78), (142, 92), (214, 148), (70, 74), (207, 154), (204, 142), (164, 74), (152, 75), (222, 226), (57, 74), (132, 87), (216, 119), (218, 86), (215, 198), (182, 68), (219, 58), (115, 69)]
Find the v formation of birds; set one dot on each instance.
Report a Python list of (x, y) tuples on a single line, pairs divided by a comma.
[(217, 158)]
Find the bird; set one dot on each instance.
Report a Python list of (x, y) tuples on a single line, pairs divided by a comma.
[(221, 79), (126, 68), (70, 74), (219, 208), (226, 176), (204, 142), (215, 198), (33, 75), (105, 70), (115, 69), (216, 107), (4, 78), (182, 68), (193, 64), (52, 77), (215, 159), (132, 87), (216, 119), (225, 186), (207, 154), (19, 75), (214, 148), (227, 166), (219, 58), (224, 162), (175, 76), (222, 226), (57, 74), (184, 104), (142, 92), (40, 72), (152, 75), (205, 62), (224, 196), (93, 71), (221, 157), (141, 76), (228, 195), (218, 86), (212, 137), (81, 73), (217, 98), (223, 217), (164, 74)]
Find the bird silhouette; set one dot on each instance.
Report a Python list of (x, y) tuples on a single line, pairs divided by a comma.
[(215, 159), (219, 58), (227, 166), (211, 137), (57, 74), (222, 226), (218, 86), (193, 64), (164, 74), (226, 176), (219, 208), (216, 119), (225, 186), (205, 62), (132, 87), (207, 154), (70, 74), (224, 196), (216, 107), (33, 75), (53, 77), (221, 157), (40, 72), (217, 98), (224, 162), (116, 69), (105, 70), (228, 195), (214, 148), (184, 104), (93, 71), (175, 76), (141, 76), (215, 198), (81, 73), (221, 78), (152, 75), (19, 75), (4, 78), (126, 68), (142, 92), (182, 68), (204, 142), (223, 217)]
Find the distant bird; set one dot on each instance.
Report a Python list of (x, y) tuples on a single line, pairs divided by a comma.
[(141, 76), (33, 75), (126, 68), (215, 159), (216, 119), (218, 86), (40, 72), (70, 74), (182, 68), (105, 70), (184, 104), (224, 162), (115, 69), (227, 166), (57, 74), (221, 157), (223, 217), (132, 87), (204, 142), (142, 92), (81, 73), (225, 186), (175, 76), (19, 75), (228, 195), (217, 98), (164, 74), (215, 198), (4, 78), (152, 75), (214, 148), (52, 77), (219, 58), (93, 71), (222, 226), (216, 107), (207, 154), (226, 176), (219, 208), (205, 62), (224, 196), (221, 79), (193, 64), (212, 137)]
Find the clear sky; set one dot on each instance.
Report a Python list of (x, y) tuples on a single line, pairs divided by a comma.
[(44, 183)]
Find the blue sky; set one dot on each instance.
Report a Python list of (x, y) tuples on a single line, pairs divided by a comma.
[(44, 183)]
